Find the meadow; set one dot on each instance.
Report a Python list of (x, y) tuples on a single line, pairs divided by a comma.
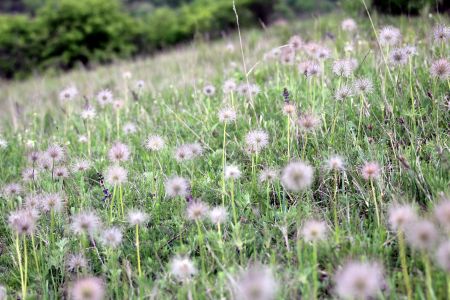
[(305, 160)]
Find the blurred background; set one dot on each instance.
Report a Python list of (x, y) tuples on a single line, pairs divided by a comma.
[(43, 35)]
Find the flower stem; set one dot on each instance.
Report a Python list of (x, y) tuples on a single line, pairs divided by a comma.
[(426, 262), (335, 216), (25, 262), (201, 248), (401, 245), (374, 196), (315, 273), (19, 259), (233, 205), (33, 244), (138, 254), (304, 147), (224, 157), (121, 201), (111, 205), (288, 138)]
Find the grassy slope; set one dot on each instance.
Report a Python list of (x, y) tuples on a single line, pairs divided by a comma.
[(174, 107)]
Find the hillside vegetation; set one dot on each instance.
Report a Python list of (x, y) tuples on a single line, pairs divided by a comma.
[(311, 161)]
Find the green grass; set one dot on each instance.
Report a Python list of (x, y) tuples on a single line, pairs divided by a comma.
[(410, 143)]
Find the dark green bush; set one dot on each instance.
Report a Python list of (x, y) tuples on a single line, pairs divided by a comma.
[(395, 7), (412, 7), (20, 46), (83, 31)]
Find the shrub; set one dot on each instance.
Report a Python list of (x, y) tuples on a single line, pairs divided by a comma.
[(412, 7), (19, 45), (85, 31)]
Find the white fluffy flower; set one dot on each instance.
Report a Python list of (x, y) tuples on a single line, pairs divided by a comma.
[(182, 268), (297, 176), (177, 186), (314, 231), (359, 280), (232, 172)]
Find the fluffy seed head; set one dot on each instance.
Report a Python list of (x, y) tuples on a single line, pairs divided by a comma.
[(23, 221), (344, 67), (323, 53), (227, 115), (349, 25), (12, 190), (85, 223), (53, 202), (398, 57), (289, 109), (33, 157), (442, 213), (129, 128), (371, 170), (359, 280), (30, 174), (229, 86), (314, 231), (443, 256), (342, 93), (182, 268), (45, 162), (137, 217), (118, 104), (61, 172), (196, 149), (177, 186), (287, 56), (111, 237), (297, 176), (68, 94), (209, 90), (269, 175), (197, 210), (127, 75), (257, 140), (309, 68), (296, 42), (34, 201), (248, 90), (3, 293), (82, 139), (104, 97), (140, 84), (88, 113), (335, 163), (76, 262), (400, 215), (410, 51), (116, 175), (81, 165), (390, 36), (3, 143), (55, 152), (119, 153), (89, 288), (421, 235), (363, 86), (218, 215), (183, 153), (440, 69), (308, 122), (441, 33), (257, 282), (232, 172), (154, 143)]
